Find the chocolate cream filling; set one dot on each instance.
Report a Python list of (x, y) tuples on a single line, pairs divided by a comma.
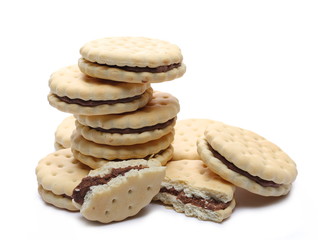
[(138, 130), (160, 69), (84, 186), (94, 103), (260, 181), (210, 204)]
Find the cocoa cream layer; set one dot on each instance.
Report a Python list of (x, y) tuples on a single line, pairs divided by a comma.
[(94, 103), (160, 69), (210, 204), (230, 165), (84, 186), (137, 130)]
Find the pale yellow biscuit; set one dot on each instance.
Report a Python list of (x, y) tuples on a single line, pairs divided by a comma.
[(121, 196), (267, 170), (187, 132), (74, 92), (190, 187), (116, 74), (161, 108), (57, 175), (108, 152), (56, 200), (131, 51), (163, 157), (64, 131), (118, 139), (101, 109)]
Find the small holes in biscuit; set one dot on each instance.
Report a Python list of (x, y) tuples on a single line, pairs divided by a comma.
[(129, 207), (54, 174), (130, 191), (48, 163), (106, 212), (148, 188), (60, 165), (114, 200)]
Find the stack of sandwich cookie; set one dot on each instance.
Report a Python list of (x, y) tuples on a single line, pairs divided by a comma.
[(146, 133)]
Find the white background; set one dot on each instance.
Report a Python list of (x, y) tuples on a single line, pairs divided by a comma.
[(251, 64)]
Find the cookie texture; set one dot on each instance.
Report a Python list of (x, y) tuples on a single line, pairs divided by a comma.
[(191, 188), (108, 152), (123, 194), (57, 175), (250, 153), (132, 59), (63, 133), (163, 157), (187, 132)]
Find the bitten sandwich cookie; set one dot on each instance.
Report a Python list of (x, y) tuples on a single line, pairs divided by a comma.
[(187, 132), (191, 188), (58, 174), (76, 93), (132, 59), (247, 160), (151, 122), (63, 133), (118, 190)]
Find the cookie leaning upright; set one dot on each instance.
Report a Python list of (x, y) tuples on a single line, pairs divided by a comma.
[(247, 160), (132, 59), (74, 92)]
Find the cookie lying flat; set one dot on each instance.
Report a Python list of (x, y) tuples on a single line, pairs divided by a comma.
[(118, 190), (63, 133), (187, 132), (247, 160), (191, 188), (132, 59), (74, 92), (163, 157), (151, 122), (57, 175), (108, 152)]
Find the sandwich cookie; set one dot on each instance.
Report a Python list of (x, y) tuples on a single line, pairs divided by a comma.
[(163, 157), (118, 190), (76, 93), (109, 153), (187, 132), (149, 123), (63, 133), (191, 188), (57, 175), (247, 160), (132, 59)]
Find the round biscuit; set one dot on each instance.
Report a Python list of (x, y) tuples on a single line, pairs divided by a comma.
[(131, 51), (94, 163), (56, 200), (60, 172), (101, 109), (251, 153), (79, 143), (71, 82), (64, 131), (161, 108), (118, 139), (187, 132), (117, 74)]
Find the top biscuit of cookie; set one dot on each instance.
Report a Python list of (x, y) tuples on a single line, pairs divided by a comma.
[(131, 51)]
